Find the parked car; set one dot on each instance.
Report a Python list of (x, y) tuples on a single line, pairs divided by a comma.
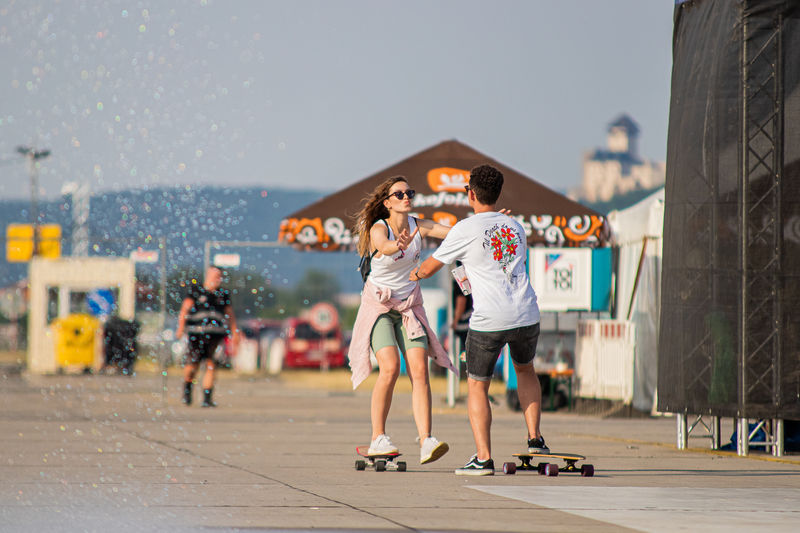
[(294, 343), (307, 347)]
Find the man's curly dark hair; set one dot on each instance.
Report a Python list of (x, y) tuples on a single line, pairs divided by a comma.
[(486, 182)]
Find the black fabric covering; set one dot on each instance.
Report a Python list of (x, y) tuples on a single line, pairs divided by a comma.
[(120, 343), (730, 335)]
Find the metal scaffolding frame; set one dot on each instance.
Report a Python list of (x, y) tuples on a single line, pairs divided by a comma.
[(760, 220), (759, 398), (685, 430), (772, 428)]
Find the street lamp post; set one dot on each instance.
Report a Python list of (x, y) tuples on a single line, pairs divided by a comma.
[(33, 155)]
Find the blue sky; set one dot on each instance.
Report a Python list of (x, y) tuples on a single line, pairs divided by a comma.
[(319, 94)]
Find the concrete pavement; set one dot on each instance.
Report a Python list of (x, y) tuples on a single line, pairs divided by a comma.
[(109, 453)]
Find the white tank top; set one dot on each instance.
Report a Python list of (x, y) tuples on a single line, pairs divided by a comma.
[(392, 271)]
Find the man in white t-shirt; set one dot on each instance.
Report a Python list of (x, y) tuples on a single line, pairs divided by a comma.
[(493, 250)]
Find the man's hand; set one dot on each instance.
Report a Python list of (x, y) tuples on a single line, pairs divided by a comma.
[(428, 268), (237, 339)]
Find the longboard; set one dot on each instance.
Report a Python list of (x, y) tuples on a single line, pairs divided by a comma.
[(549, 469), (381, 462)]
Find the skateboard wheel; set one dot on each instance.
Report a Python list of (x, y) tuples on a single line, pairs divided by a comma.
[(380, 465), (551, 470), (509, 468), (401, 466), (540, 468), (587, 471), (361, 464)]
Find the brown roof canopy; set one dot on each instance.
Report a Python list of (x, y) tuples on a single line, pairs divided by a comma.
[(439, 174)]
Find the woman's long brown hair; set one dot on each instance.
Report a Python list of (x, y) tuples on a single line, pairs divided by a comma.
[(372, 211)]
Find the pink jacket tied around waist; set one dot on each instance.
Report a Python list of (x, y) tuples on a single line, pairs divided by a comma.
[(376, 301)]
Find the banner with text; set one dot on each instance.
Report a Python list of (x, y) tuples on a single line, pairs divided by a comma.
[(562, 278)]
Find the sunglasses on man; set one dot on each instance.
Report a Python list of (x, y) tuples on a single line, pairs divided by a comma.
[(402, 194)]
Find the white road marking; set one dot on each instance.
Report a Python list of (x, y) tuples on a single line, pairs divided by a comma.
[(659, 509)]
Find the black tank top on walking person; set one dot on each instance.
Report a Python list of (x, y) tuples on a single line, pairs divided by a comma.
[(207, 315)]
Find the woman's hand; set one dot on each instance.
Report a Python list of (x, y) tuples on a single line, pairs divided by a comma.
[(404, 239)]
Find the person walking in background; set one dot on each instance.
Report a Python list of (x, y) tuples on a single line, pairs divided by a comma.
[(493, 250), (391, 320), (207, 317)]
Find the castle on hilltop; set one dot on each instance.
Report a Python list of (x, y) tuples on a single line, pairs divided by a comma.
[(617, 169)]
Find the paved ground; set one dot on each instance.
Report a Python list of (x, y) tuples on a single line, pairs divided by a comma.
[(108, 453)]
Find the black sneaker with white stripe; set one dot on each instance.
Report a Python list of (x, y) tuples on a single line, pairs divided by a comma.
[(476, 467), (537, 445)]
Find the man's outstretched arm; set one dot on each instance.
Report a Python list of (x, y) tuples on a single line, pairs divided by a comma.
[(428, 268)]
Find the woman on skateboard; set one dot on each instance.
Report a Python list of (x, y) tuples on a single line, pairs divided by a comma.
[(391, 320)]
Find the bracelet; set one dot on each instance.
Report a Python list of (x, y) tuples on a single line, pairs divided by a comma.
[(416, 273)]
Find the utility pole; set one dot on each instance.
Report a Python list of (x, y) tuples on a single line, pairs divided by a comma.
[(162, 256), (79, 204), (33, 156)]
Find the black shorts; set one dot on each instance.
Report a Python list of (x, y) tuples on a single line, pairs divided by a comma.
[(202, 346), (483, 349)]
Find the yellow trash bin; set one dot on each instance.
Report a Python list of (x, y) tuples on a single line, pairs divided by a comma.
[(75, 340)]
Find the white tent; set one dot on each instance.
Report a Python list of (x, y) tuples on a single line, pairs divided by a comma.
[(638, 295)]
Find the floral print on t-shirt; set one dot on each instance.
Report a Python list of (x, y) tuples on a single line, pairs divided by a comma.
[(503, 242)]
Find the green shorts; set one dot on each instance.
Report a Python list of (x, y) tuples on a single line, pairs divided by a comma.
[(389, 331)]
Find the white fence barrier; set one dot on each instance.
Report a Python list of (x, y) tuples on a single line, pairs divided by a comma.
[(604, 354), (246, 360)]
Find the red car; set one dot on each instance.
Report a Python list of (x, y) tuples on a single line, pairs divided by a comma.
[(307, 347)]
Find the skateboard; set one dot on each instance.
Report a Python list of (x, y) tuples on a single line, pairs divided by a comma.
[(381, 461), (549, 469)]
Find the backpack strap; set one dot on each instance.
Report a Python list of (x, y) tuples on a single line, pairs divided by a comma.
[(388, 230), (365, 264)]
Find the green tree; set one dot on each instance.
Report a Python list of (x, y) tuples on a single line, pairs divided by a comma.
[(253, 296), (317, 286), (250, 294), (178, 281)]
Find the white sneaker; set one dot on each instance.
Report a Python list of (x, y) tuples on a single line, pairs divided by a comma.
[(381, 445), (431, 450)]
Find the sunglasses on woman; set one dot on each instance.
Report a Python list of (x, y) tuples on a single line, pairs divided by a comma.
[(402, 194)]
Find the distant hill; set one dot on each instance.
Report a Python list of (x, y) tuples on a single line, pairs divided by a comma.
[(188, 216)]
